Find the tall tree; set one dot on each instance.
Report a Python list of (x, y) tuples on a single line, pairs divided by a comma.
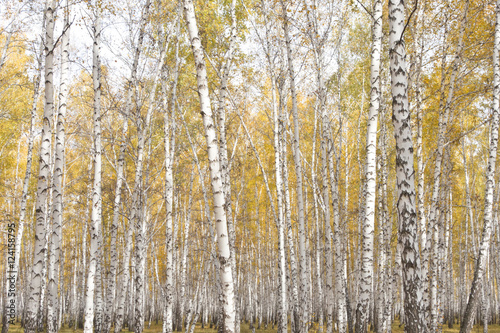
[(405, 173), (479, 272), (131, 94), (169, 142), (43, 175), (365, 285), (226, 274), (304, 316), (139, 198), (57, 188), (12, 279), (96, 214)]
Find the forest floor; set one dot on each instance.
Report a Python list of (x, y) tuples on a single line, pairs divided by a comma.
[(154, 328)]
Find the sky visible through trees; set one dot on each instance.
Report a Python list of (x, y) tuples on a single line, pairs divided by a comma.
[(249, 166)]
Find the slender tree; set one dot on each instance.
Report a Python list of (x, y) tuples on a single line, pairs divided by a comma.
[(43, 176), (479, 272), (226, 274), (57, 189), (405, 173), (365, 285), (304, 316), (96, 214), (13, 275)]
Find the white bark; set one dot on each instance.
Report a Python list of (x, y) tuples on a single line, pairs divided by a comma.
[(288, 222), (169, 142), (338, 239), (57, 189), (282, 286), (132, 86), (434, 211), (405, 174), (138, 200), (96, 215), (302, 303), (215, 171), (43, 176), (13, 267), (365, 285), (223, 158), (317, 42), (479, 271)]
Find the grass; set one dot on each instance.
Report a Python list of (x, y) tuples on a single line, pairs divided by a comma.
[(245, 329), (155, 328)]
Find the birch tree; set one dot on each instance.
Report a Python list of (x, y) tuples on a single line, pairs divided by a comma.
[(137, 201), (482, 257), (169, 142), (405, 174), (304, 316), (131, 94), (365, 285), (215, 171), (13, 277), (435, 202), (57, 189), (96, 215), (43, 176)]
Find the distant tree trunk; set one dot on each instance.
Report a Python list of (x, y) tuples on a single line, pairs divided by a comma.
[(139, 201), (317, 44), (96, 217), (470, 310), (365, 285), (434, 210), (43, 176), (132, 86), (405, 175), (57, 189), (215, 171)]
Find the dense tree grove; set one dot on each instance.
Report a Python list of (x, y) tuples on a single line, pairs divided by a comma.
[(237, 165)]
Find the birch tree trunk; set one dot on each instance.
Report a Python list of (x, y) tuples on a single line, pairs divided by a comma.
[(185, 250), (386, 225), (317, 42), (405, 174), (223, 158), (96, 215), (13, 267), (43, 176), (169, 141), (365, 285), (422, 234), (325, 144), (282, 286), (288, 222), (132, 86), (215, 171), (137, 199), (57, 189), (434, 211), (479, 271), (338, 239), (304, 316)]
